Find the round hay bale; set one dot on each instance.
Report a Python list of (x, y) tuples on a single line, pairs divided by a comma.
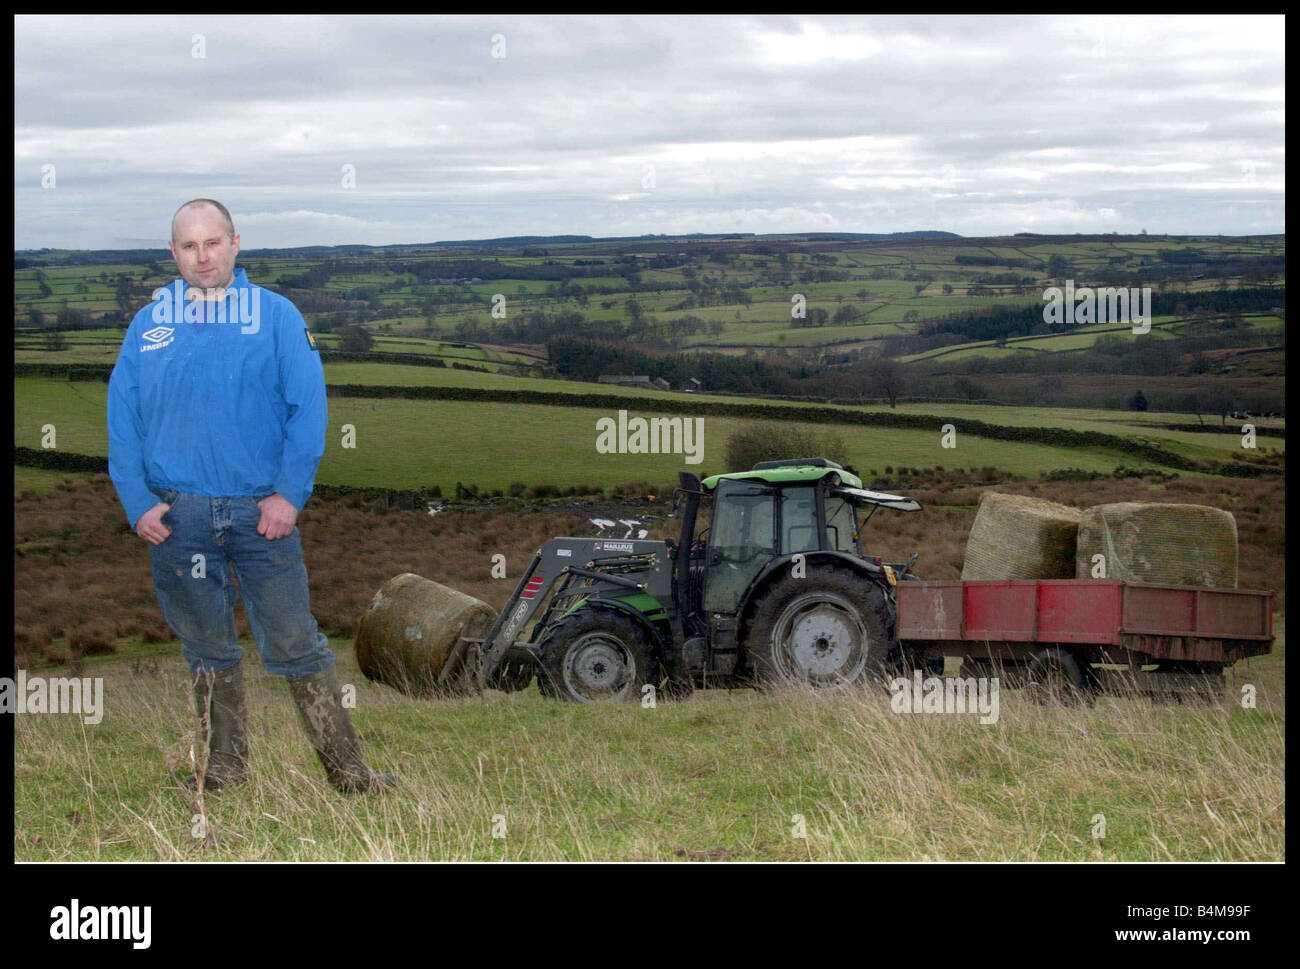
[(407, 634), (1163, 544), (1021, 537)]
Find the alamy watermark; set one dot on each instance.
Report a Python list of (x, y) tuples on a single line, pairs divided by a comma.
[(945, 694), (178, 303), (38, 694), (77, 922), (656, 435), (1086, 305)]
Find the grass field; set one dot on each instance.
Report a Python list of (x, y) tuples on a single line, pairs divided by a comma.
[(1085, 336), (731, 775), (411, 443), (1225, 442), (39, 480), (102, 346)]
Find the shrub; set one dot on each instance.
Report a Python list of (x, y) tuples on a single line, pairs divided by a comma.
[(355, 339), (752, 443), (92, 638)]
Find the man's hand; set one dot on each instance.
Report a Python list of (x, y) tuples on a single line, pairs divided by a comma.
[(278, 516), (150, 526)]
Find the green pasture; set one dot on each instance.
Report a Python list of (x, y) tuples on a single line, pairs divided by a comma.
[(415, 443)]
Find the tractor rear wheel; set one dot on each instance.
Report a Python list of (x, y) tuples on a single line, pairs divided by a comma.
[(826, 630), (596, 655)]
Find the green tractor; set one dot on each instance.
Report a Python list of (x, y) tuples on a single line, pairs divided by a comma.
[(778, 589)]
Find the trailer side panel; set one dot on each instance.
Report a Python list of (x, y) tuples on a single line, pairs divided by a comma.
[(1182, 623)]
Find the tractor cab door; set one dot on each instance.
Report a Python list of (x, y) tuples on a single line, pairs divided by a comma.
[(742, 541), (841, 523), (798, 520)]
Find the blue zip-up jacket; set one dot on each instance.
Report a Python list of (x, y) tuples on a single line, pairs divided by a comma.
[(231, 407)]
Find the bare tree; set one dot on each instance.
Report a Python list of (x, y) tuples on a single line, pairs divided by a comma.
[(889, 378), (1209, 401)]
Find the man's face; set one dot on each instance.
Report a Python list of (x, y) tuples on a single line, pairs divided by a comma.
[(203, 251)]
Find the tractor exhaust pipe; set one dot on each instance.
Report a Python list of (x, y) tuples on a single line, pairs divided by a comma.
[(689, 484)]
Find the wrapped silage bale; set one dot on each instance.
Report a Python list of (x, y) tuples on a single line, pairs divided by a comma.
[(1021, 537), (1162, 544), (406, 636)]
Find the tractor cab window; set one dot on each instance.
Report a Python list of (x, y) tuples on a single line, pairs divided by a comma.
[(798, 521), (742, 541), (841, 524)]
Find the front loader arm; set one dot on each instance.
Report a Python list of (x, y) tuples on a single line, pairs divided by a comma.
[(552, 568), (523, 603)]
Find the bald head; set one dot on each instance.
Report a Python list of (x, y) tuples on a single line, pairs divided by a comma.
[(197, 204), (205, 246)]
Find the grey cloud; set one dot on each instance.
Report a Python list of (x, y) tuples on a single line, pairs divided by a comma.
[(449, 142)]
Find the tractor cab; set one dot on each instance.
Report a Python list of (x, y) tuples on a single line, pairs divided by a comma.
[(771, 526), (777, 510)]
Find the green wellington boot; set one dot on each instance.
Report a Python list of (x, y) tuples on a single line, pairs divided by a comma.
[(320, 703), (221, 704)]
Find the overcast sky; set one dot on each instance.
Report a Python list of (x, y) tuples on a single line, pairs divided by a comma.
[(468, 127)]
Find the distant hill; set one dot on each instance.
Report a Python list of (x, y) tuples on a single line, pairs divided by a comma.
[(504, 241), (876, 236), (82, 256)]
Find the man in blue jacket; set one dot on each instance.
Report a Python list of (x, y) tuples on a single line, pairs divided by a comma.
[(216, 420)]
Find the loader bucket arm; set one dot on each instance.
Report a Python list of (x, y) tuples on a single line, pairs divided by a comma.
[(523, 603), (600, 566)]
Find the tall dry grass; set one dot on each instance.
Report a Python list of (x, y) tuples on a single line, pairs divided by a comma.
[(721, 776)]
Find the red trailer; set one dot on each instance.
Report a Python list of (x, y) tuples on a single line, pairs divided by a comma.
[(1073, 633)]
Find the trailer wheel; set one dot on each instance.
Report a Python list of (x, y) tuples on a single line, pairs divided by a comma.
[(825, 631), (596, 655), (1054, 677)]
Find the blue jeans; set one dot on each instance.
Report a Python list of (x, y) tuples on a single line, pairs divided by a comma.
[(199, 604)]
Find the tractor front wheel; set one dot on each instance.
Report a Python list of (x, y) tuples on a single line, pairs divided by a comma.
[(596, 655)]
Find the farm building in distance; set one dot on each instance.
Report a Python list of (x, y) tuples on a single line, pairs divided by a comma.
[(622, 380), (643, 382)]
